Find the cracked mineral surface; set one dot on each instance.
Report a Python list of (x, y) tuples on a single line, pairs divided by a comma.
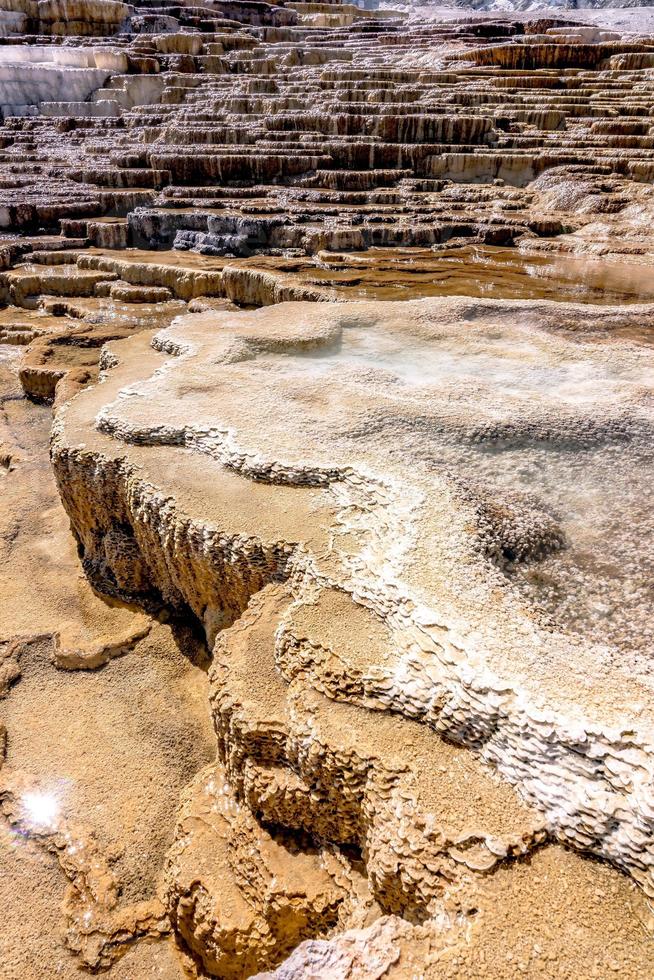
[(326, 454)]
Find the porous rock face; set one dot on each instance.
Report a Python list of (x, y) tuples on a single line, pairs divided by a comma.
[(359, 503)]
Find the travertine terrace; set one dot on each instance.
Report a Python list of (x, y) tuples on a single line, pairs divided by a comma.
[(326, 637)]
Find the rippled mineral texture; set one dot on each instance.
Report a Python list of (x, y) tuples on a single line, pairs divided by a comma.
[(326, 455)]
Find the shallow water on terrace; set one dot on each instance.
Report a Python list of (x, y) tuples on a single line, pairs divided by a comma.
[(520, 366), (601, 585), (481, 271)]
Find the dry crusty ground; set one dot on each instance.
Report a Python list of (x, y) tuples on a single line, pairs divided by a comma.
[(41, 581), (31, 892), (556, 915), (115, 745), (107, 743), (137, 795)]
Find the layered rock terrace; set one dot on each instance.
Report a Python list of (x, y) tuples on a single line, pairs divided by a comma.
[(275, 152), (408, 543)]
